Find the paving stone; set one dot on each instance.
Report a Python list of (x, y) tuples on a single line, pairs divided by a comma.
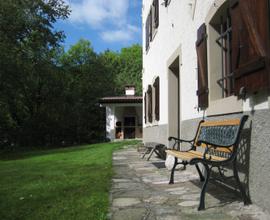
[(123, 202), (164, 210), (119, 158), (157, 199), (130, 214), (127, 185), (121, 180), (140, 190), (160, 182), (206, 216), (189, 203), (141, 194), (145, 168), (177, 191), (190, 197), (168, 217)]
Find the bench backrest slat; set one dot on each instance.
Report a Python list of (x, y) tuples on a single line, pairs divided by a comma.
[(222, 132)]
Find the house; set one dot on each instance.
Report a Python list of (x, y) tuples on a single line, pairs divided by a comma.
[(208, 59), (123, 115)]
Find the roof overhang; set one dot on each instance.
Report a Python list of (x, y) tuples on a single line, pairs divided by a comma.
[(121, 99)]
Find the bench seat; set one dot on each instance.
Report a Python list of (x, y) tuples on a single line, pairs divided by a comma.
[(189, 155)]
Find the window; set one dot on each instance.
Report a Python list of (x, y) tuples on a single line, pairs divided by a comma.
[(151, 101), (152, 23), (232, 51), (148, 30), (222, 26), (149, 104), (145, 108), (155, 14), (156, 86)]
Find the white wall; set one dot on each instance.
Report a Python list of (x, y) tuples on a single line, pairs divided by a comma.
[(110, 121), (177, 29)]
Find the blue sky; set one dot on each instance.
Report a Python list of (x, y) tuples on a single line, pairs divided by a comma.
[(108, 24)]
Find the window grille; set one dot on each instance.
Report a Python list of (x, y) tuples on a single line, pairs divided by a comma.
[(226, 81)]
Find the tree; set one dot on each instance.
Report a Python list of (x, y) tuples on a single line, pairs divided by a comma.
[(87, 83), (131, 68), (111, 63), (27, 47), (124, 67)]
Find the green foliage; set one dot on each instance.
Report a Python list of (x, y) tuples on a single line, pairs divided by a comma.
[(131, 68), (29, 80), (49, 96), (70, 183), (125, 68)]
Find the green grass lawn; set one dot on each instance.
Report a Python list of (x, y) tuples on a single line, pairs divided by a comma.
[(69, 183)]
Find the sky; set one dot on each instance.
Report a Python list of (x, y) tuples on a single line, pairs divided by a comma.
[(107, 24)]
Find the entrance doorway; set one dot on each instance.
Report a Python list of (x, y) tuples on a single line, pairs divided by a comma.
[(174, 98), (129, 127)]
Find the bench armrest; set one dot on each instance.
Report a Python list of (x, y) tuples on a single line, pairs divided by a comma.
[(179, 140)]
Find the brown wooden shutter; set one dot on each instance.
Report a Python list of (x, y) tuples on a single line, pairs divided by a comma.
[(201, 48), (166, 2), (250, 45), (150, 25), (156, 12), (149, 102), (147, 33), (145, 113), (156, 85)]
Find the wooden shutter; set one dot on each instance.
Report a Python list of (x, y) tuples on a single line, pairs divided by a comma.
[(156, 85), (166, 2), (149, 103), (148, 30), (145, 113), (150, 25), (156, 13), (201, 48), (250, 44), (147, 33)]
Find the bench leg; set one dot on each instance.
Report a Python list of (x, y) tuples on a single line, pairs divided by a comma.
[(146, 151), (202, 197), (172, 171), (152, 151), (199, 172), (240, 186)]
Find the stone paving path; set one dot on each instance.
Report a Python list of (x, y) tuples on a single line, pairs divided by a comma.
[(140, 191)]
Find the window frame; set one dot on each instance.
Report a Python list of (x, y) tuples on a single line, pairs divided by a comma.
[(218, 104), (151, 23)]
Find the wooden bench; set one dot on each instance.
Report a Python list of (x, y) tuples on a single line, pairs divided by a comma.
[(218, 142), (152, 147)]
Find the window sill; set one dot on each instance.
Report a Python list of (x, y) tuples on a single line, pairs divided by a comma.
[(225, 106)]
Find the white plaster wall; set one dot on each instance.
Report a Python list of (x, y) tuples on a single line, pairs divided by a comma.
[(114, 113), (178, 24), (110, 121)]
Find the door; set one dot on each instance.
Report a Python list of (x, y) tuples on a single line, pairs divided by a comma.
[(174, 99), (129, 127)]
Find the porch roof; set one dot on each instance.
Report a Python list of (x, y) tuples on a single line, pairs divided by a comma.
[(121, 99)]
